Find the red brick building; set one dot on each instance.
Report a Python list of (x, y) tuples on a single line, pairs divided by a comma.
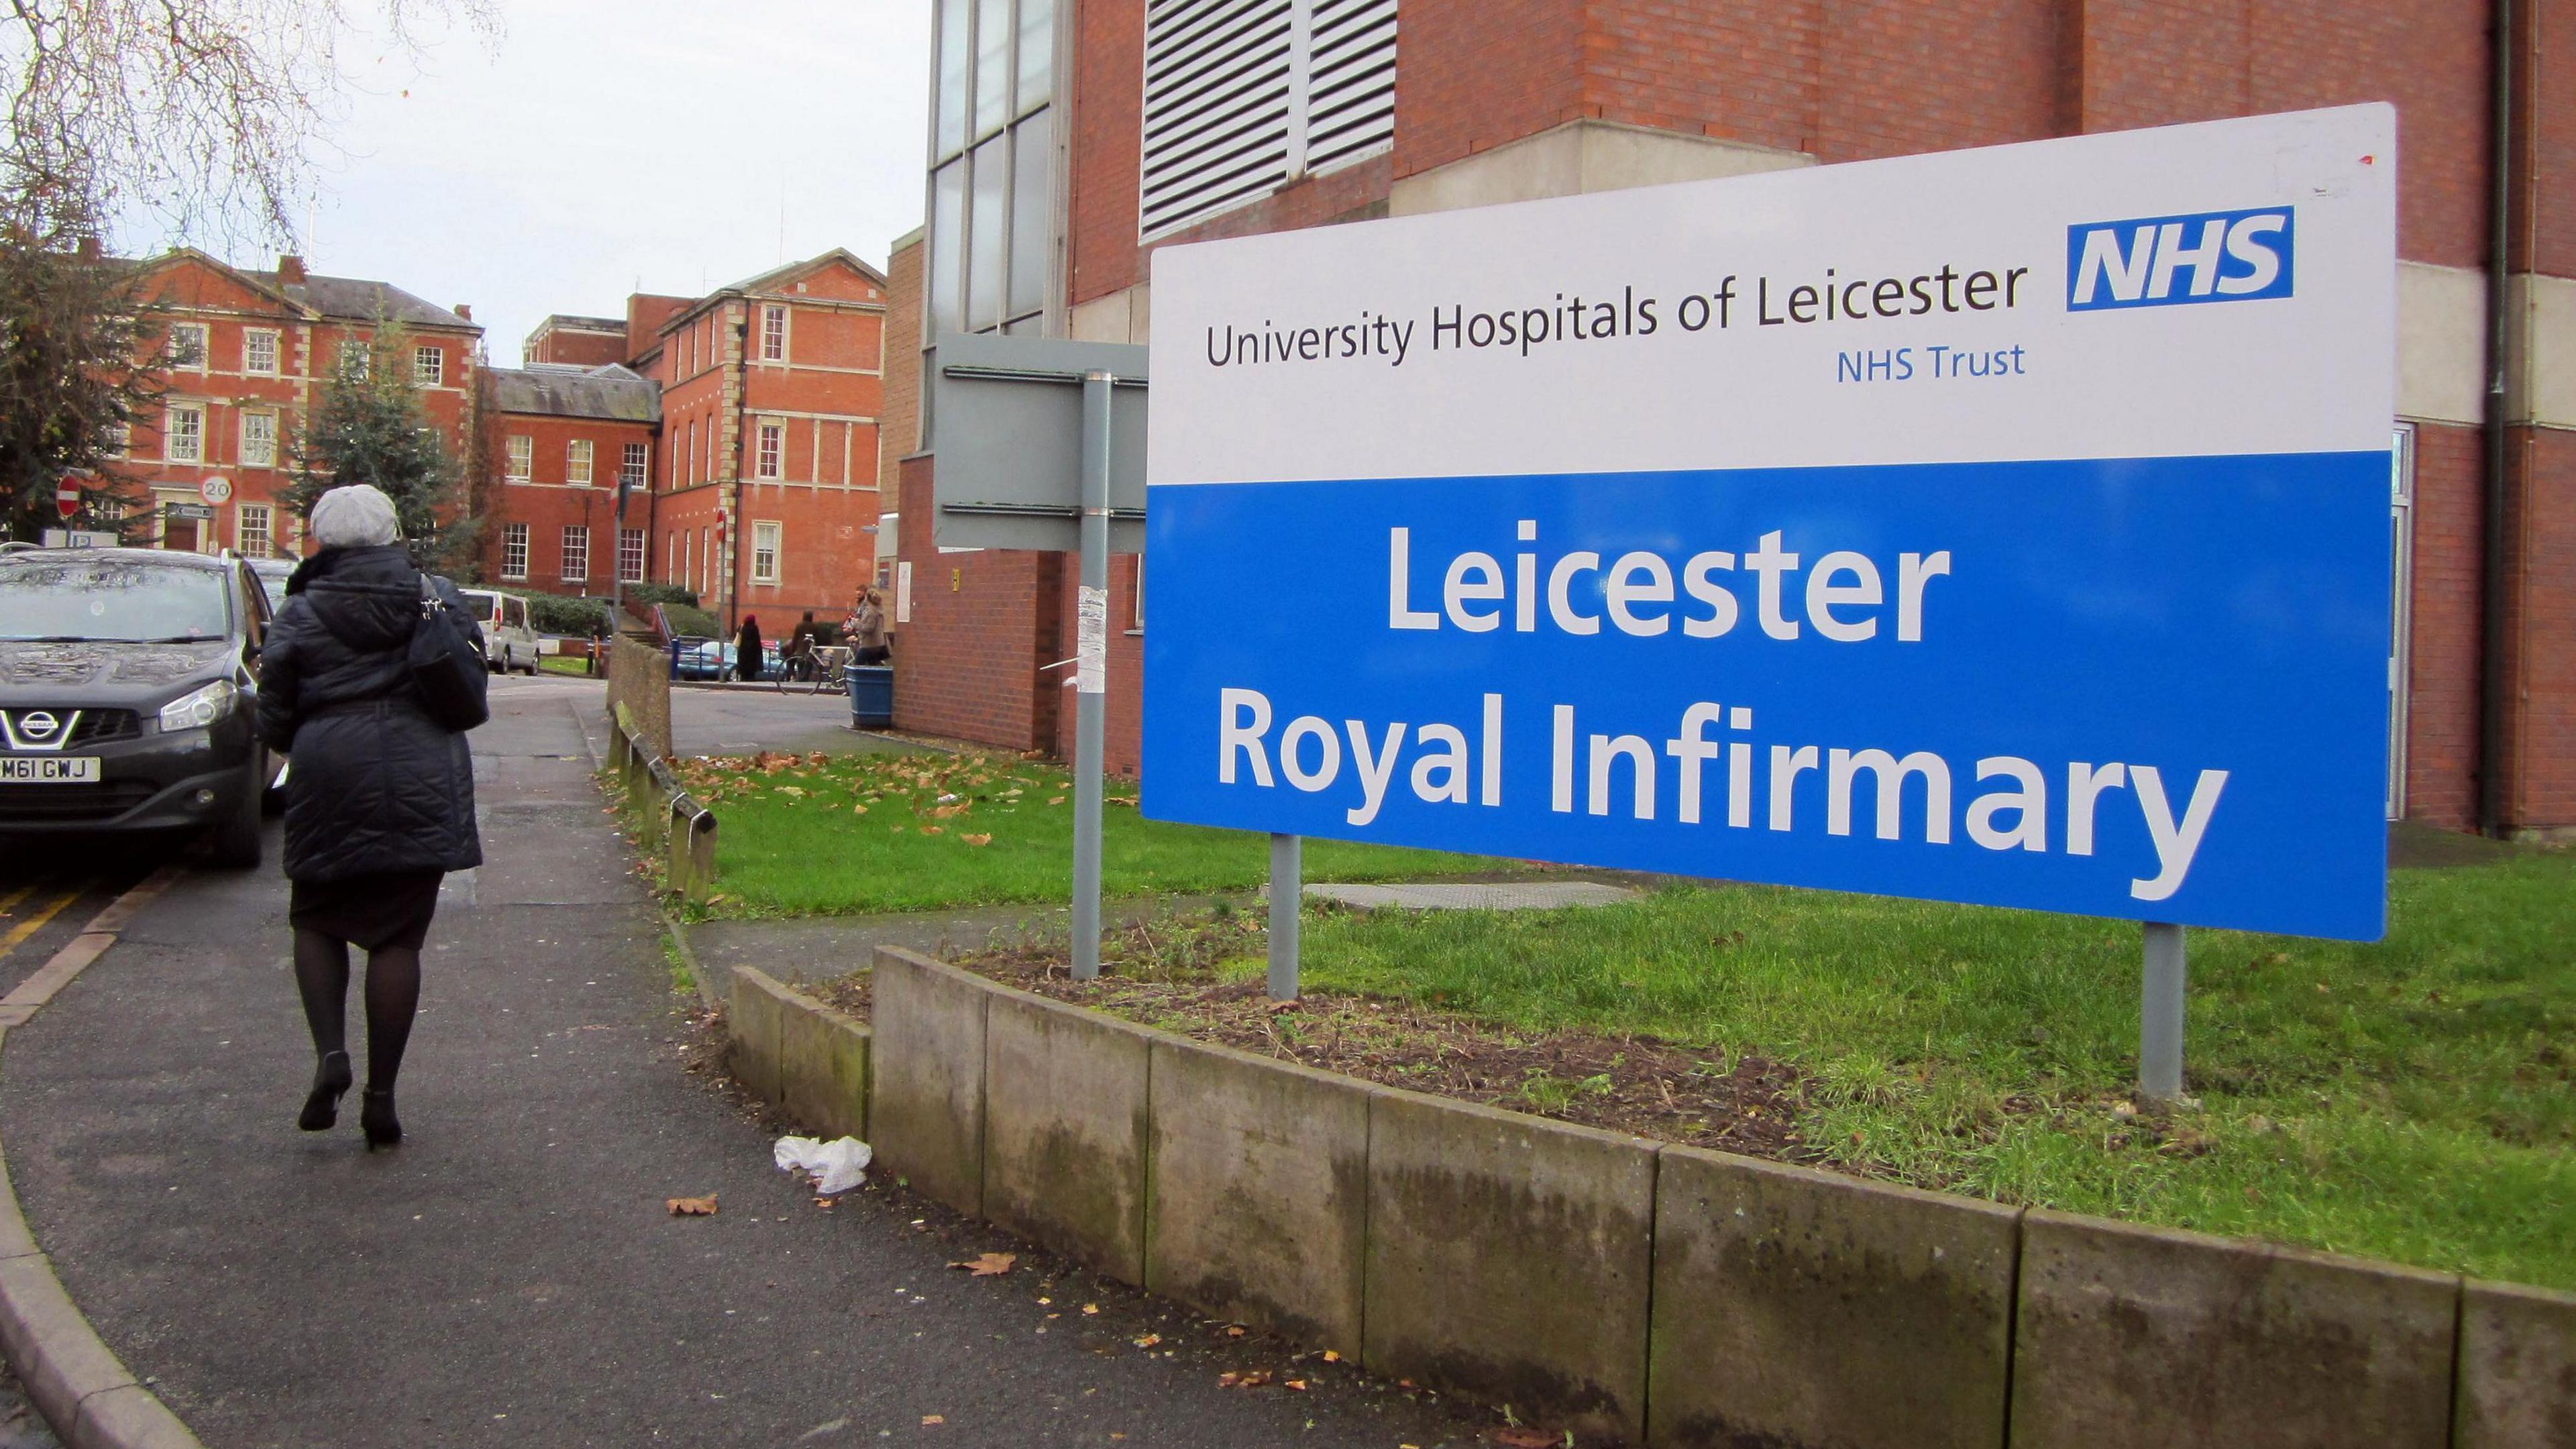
[(756, 409), (1048, 193), (251, 350), (574, 449)]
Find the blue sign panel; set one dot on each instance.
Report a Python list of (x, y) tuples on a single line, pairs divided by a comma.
[(2041, 684), (1893, 527)]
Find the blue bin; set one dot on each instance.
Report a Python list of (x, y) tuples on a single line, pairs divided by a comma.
[(871, 696)]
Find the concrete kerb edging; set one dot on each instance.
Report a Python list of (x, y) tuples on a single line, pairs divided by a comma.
[(77, 1382), (1699, 1297)]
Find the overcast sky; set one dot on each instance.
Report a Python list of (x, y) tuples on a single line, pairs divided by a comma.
[(606, 146)]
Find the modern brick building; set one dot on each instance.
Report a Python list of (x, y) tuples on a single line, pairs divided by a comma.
[(570, 508), (739, 432), (1060, 161), (252, 350)]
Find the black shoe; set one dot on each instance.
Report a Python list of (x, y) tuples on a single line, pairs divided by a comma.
[(322, 1104), (376, 1116)]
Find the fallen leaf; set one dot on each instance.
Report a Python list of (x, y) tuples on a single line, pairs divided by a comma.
[(988, 1265), (791, 790), (1058, 800), (1045, 1302), (934, 830), (693, 1207), (1331, 1357), (976, 839), (1298, 1384), (1090, 1310), (1234, 1330), (1149, 1340), (929, 1419)]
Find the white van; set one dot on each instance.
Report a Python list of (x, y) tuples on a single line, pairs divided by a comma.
[(508, 642)]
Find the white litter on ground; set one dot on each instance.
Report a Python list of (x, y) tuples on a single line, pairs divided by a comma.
[(835, 1166)]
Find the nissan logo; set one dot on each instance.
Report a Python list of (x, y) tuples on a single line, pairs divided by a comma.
[(37, 724)]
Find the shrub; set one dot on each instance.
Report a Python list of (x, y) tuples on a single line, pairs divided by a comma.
[(689, 619), (554, 614), (642, 597)]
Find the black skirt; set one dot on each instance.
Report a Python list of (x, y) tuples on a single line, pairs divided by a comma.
[(371, 912)]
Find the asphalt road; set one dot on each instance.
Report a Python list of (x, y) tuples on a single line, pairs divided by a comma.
[(511, 1276)]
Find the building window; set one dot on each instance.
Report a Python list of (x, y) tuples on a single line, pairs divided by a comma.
[(577, 462), (183, 433), (188, 346), (693, 450), (576, 552), (630, 473), (258, 439), (1242, 100), (773, 334), (259, 352), (764, 553), (514, 551), (353, 361), (630, 555), (773, 450), (522, 458), (992, 165), (116, 439), (428, 366), (250, 530)]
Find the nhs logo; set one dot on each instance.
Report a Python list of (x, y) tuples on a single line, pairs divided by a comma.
[(2159, 261)]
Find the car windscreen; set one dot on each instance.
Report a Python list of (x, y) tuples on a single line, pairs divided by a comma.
[(121, 599)]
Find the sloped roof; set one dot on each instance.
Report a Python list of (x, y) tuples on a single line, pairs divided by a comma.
[(771, 280), (361, 301), (609, 393), (585, 324)]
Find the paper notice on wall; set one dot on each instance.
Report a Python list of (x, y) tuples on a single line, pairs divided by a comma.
[(903, 593), (1091, 652)]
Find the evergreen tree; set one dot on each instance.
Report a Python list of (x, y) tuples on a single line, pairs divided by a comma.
[(370, 427), (70, 375)]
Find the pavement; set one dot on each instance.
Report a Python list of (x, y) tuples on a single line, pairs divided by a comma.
[(511, 1275)]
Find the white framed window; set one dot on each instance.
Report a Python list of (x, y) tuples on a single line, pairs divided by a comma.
[(251, 530), (521, 458), (353, 360), (258, 438), (773, 333), (764, 553), (630, 555), (183, 433), (577, 462), (576, 552), (1243, 97), (773, 451), (429, 366), (631, 471), (117, 439), (514, 551), (188, 346), (259, 351)]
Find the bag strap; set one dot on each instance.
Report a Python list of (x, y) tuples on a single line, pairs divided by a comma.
[(430, 602)]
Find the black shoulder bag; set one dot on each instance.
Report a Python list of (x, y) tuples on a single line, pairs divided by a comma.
[(445, 667)]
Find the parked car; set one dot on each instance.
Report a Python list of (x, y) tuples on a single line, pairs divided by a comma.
[(508, 640), (696, 658), (272, 574), (128, 683)]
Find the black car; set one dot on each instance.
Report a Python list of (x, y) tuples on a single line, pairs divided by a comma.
[(128, 686)]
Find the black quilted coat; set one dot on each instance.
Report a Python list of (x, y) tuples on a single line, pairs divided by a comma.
[(374, 784)]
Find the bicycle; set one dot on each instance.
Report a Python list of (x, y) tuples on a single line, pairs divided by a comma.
[(819, 672)]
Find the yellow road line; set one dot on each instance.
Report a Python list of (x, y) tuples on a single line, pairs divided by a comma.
[(10, 902), (36, 922)]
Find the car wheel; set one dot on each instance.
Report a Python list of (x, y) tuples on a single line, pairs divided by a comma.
[(235, 844)]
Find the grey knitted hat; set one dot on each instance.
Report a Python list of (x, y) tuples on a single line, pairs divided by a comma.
[(357, 516)]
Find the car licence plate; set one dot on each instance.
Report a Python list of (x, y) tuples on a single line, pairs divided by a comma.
[(48, 769)]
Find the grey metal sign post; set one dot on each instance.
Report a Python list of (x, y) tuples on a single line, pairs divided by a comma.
[(1026, 461), (2160, 1015)]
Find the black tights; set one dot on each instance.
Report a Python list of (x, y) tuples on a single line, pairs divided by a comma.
[(393, 994)]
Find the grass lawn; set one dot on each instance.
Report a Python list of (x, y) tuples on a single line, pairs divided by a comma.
[(556, 664), (807, 835), (2413, 1100)]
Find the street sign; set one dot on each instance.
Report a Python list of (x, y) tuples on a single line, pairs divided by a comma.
[(67, 498), (198, 511), (1006, 424), (215, 490), (2003, 526), (78, 538)]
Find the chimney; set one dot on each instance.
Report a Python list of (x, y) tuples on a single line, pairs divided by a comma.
[(465, 311), (290, 271), (89, 249)]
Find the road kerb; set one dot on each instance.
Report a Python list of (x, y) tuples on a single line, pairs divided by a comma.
[(77, 1382)]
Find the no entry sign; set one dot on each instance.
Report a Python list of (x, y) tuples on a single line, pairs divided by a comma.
[(67, 498), (2004, 526)]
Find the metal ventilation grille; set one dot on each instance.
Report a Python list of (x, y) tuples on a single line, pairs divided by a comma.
[(1244, 96), (1350, 111)]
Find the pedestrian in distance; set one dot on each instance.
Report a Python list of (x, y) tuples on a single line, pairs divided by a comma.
[(380, 786), (746, 649), (867, 629)]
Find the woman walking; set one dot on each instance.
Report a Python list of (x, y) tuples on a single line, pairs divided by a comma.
[(746, 649), (380, 795)]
